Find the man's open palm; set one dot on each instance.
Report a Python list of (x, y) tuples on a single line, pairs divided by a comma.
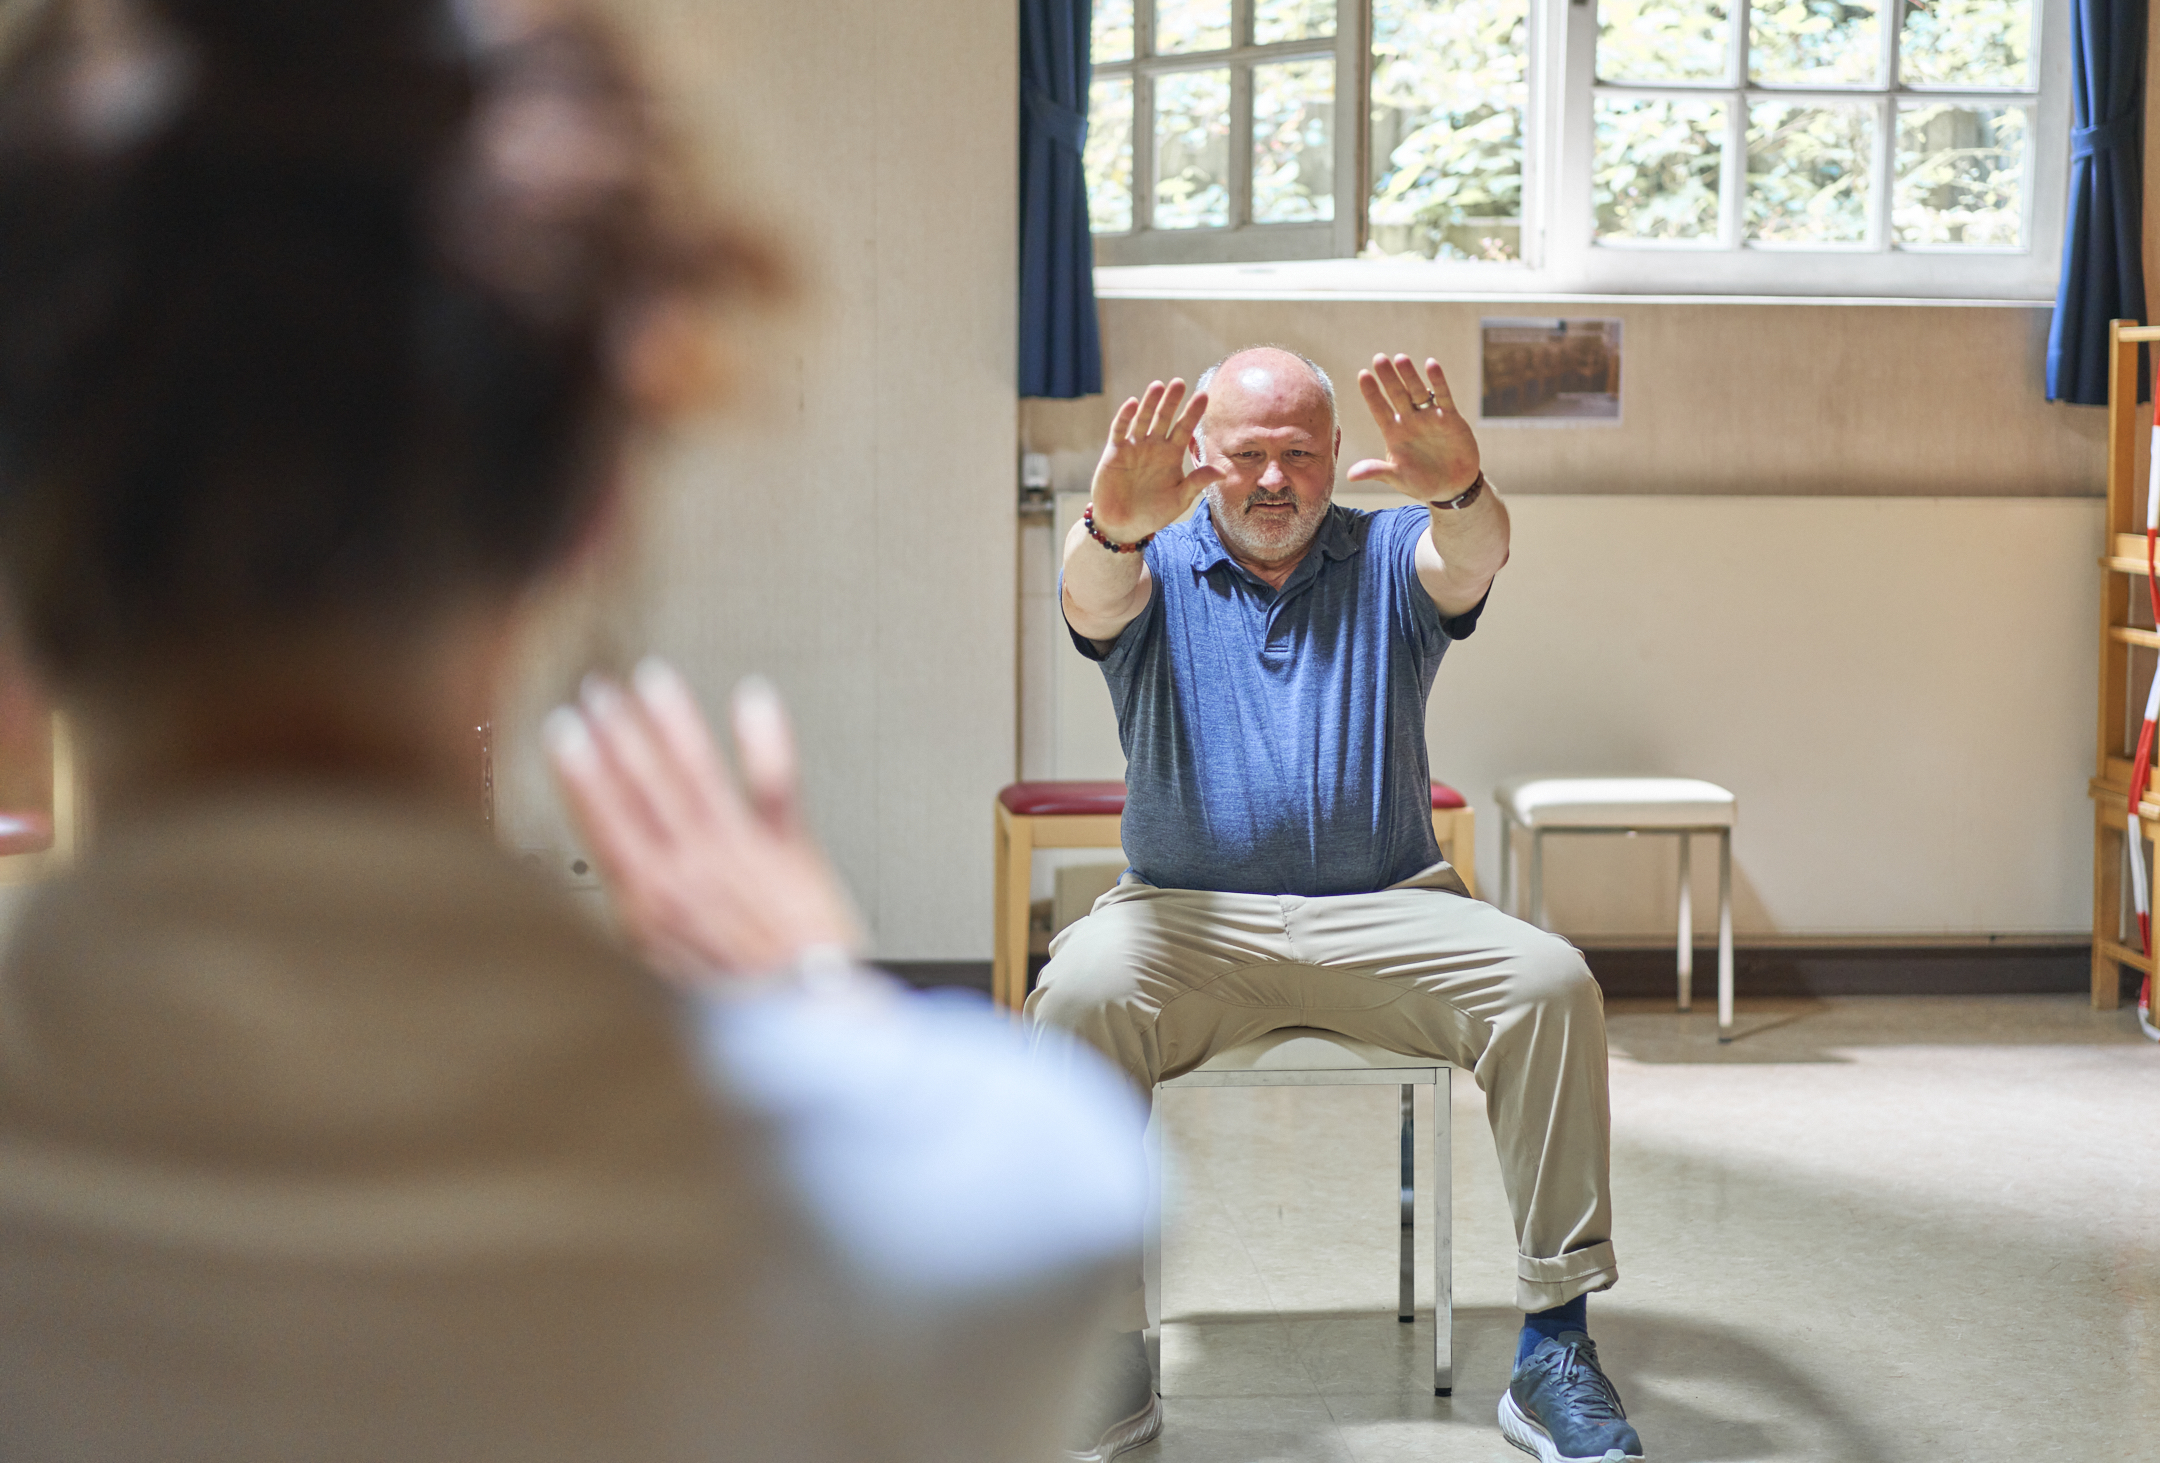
[(1141, 484), (1432, 455)]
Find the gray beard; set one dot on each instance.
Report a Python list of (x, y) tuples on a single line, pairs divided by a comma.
[(1235, 531)]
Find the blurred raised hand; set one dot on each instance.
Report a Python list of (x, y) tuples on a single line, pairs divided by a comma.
[(709, 879)]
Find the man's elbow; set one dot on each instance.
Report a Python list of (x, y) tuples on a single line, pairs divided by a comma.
[(1093, 623)]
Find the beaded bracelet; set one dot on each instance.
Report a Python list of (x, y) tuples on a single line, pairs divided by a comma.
[(1087, 518)]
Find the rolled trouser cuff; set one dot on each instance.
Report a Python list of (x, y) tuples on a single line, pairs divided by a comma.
[(1129, 1311), (1542, 1284)]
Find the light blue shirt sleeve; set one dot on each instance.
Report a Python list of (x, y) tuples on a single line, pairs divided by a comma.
[(942, 1146)]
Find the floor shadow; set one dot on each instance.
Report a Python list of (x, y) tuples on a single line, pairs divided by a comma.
[(1656, 1361)]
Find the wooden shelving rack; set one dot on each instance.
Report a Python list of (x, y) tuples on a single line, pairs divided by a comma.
[(2123, 560)]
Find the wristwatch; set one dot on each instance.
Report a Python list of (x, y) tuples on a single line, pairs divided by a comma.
[(1467, 496)]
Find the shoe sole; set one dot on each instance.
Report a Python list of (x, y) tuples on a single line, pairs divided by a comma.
[(1142, 1427), (1524, 1431)]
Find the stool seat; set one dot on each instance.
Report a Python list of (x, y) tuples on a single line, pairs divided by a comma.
[(1092, 799), (1617, 802), (1307, 1049), (25, 833)]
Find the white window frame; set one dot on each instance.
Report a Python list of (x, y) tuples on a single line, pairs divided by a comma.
[(1560, 252), (1242, 240)]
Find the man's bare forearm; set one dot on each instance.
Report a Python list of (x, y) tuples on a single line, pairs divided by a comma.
[(1462, 551), (1104, 592)]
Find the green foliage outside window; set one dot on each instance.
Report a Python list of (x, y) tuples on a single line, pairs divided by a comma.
[(1450, 83)]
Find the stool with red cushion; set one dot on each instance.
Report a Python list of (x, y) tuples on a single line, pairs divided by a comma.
[(1032, 815)]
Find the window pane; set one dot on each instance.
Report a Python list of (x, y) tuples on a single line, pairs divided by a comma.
[(1113, 30), (1293, 122), (1291, 20), (1960, 176), (1191, 25), (1967, 43), (1655, 172), (1192, 149), (1816, 43), (1108, 163), (1662, 40), (1807, 180), (1449, 86)]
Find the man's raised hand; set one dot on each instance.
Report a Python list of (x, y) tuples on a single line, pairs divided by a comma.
[(1141, 484), (1432, 455)]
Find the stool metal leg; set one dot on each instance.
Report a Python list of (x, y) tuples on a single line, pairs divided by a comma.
[(1724, 935), (1443, 1244), (1507, 863), (1537, 879), (1151, 1244), (1687, 923), (1406, 1280)]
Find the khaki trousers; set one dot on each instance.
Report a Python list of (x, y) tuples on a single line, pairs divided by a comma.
[(1160, 980)]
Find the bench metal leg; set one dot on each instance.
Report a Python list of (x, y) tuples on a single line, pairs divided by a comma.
[(1443, 1244), (1724, 935), (1406, 1279), (1687, 922)]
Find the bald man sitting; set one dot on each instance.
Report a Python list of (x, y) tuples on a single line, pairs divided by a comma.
[(1270, 661)]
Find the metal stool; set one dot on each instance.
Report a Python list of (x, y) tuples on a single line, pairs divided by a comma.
[(1304, 1056), (1683, 806)]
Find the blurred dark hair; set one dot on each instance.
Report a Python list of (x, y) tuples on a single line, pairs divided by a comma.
[(315, 310)]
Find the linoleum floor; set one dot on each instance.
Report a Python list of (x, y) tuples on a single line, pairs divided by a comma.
[(1871, 1229)]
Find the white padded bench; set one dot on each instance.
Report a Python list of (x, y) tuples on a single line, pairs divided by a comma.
[(1682, 806), (1304, 1056)]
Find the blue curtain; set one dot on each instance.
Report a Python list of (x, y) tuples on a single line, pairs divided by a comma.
[(1060, 351), (2103, 276)]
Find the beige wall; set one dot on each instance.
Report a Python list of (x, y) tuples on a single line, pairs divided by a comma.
[(1834, 556), (848, 530), (1718, 397), (1900, 690)]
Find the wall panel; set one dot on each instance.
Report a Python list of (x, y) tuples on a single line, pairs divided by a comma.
[(846, 528)]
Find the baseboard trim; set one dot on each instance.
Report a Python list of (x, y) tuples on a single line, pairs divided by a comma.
[(1934, 966), (1879, 940), (924, 975)]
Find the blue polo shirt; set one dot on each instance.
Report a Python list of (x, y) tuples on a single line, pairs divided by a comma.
[(1275, 739)]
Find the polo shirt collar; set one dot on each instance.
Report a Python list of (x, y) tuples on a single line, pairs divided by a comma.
[(1335, 540)]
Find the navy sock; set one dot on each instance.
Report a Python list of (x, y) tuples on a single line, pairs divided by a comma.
[(1537, 1325)]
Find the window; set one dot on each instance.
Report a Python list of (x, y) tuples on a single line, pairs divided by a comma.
[(1763, 146), (1175, 98)]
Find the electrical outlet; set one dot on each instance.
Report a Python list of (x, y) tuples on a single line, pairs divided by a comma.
[(568, 865)]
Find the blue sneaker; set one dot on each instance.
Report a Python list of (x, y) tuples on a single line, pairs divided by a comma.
[(1561, 1409)]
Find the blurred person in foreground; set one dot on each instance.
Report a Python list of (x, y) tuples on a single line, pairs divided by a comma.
[(325, 1130)]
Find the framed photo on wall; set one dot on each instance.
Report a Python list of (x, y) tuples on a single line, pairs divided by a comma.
[(1550, 373)]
